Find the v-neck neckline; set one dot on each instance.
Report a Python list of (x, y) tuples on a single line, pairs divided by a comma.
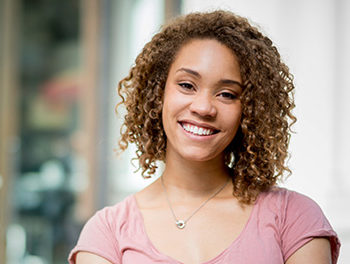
[(211, 261)]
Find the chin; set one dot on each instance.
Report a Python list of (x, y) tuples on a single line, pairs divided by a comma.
[(198, 157)]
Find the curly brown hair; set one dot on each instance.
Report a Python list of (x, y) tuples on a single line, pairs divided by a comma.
[(261, 143)]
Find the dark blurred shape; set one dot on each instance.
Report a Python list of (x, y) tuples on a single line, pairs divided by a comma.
[(49, 93)]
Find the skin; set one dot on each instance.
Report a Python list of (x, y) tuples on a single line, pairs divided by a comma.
[(317, 251), (203, 89)]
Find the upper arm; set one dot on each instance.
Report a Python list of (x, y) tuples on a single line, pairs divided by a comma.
[(317, 251), (83, 257)]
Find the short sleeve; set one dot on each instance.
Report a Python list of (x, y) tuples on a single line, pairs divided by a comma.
[(99, 237), (304, 220)]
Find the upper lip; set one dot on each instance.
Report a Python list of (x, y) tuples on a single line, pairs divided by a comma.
[(199, 124)]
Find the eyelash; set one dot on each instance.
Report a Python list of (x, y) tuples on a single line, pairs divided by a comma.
[(186, 86), (225, 95), (230, 96)]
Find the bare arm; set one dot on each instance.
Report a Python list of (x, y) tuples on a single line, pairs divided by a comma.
[(89, 258), (317, 251)]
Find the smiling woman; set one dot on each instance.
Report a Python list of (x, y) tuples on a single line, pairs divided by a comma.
[(210, 97), (201, 94)]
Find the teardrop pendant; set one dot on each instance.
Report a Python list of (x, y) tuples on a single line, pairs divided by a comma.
[(180, 224)]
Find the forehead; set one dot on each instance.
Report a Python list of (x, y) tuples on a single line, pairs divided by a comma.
[(207, 56)]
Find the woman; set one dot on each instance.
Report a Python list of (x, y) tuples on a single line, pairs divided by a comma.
[(210, 97)]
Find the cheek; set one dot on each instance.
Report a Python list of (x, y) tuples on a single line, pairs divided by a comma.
[(164, 117), (165, 103), (234, 122), (167, 109), (232, 114), (173, 101)]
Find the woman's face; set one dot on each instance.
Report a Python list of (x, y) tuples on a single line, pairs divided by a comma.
[(201, 108)]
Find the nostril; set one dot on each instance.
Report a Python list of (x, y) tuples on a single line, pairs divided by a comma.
[(203, 108)]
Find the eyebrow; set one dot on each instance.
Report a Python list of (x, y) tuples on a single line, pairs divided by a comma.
[(223, 81)]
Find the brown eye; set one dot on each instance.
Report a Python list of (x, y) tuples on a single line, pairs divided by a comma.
[(227, 95), (186, 86)]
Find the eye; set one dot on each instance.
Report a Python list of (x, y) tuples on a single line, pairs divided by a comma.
[(228, 95), (186, 86)]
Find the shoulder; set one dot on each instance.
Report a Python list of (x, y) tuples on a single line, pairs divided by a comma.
[(292, 207), (109, 217), (115, 213), (109, 221), (280, 193), (299, 219), (102, 232), (283, 207), (287, 200)]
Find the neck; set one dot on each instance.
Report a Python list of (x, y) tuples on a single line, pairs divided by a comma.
[(194, 178)]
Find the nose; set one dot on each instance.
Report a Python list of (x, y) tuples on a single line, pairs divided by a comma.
[(203, 105)]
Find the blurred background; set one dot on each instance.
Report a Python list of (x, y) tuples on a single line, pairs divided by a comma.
[(60, 63)]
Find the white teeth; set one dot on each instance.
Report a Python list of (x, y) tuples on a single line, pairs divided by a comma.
[(197, 130), (200, 131)]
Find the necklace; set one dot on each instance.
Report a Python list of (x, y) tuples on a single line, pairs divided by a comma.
[(182, 223)]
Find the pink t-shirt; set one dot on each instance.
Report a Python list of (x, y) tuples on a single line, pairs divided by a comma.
[(280, 223)]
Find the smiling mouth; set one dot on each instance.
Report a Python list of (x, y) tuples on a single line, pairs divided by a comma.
[(198, 130)]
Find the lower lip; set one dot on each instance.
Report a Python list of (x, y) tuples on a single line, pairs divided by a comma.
[(196, 137)]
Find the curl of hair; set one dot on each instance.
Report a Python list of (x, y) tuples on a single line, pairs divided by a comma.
[(261, 143)]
